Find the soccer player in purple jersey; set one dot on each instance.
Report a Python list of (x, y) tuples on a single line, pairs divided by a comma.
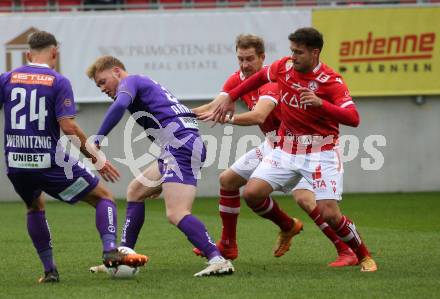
[(38, 102), (173, 127)]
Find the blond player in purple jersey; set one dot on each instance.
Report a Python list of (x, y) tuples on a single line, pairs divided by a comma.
[(173, 127)]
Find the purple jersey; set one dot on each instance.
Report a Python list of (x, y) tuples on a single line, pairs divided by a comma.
[(34, 98), (149, 96), (171, 125)]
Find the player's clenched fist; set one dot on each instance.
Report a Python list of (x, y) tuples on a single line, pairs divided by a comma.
[(308, 97)]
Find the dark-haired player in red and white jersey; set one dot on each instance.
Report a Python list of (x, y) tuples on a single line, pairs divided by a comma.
[(265, 112), (314, 101)]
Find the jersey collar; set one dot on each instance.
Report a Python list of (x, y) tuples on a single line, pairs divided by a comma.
[(38, 64), (242, 77), (316, 69)]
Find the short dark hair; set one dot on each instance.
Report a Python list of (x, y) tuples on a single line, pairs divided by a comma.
[(41, 39), (309, 37), (247, 41)]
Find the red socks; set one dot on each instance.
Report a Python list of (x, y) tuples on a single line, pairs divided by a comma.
[(269, 209), (327, 230), (347, 232), (229, 207)]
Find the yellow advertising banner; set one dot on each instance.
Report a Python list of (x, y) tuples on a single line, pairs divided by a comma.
[(383, 51)]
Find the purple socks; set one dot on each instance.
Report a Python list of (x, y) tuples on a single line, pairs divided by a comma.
[(197, 234), (134, 219), (106, 216), (38, 230)]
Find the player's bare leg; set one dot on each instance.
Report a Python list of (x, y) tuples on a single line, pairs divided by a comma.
[(178, 202), (106, 224), (306, 200), (347, 231), (257, 195)]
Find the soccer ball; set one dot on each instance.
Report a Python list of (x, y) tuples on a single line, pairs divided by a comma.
[(123, 271)]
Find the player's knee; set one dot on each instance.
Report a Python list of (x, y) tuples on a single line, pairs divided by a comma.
[(133, 193), (300, 200), (231, 181), (35, 205), (330, 216), (305, 201), (225, 181), (173, 217), (332, 221), (106, 193), (34, 208), (252, 196), (99, 193)]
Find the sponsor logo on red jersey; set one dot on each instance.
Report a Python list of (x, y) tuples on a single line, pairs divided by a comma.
[(313, 85)]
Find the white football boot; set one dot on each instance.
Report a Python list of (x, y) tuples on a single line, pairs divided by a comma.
[(217, 266), (99, 269)]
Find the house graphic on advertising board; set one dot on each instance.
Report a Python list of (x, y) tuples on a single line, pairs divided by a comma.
[(16, 49)]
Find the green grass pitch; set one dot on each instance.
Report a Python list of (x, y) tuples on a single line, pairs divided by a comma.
[(401, 230)]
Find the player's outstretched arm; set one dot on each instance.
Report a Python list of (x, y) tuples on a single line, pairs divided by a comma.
[(205, 111), (204, 108), (212, 115), (255, 117), (114, 113), (71, 128), (226, 101)]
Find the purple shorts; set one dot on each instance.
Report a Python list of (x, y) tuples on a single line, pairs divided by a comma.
[(53, 181), (183, 165)]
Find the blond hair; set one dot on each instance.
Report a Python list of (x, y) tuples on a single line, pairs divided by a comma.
[(103, 63)]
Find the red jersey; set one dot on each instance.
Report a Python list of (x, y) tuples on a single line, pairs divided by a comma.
[(269, 91), (307, 125)]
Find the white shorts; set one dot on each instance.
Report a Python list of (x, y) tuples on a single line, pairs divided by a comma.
[(247, 164), (323, 171)]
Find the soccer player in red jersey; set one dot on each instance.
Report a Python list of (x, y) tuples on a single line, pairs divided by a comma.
[(265, 112), (314, 101)]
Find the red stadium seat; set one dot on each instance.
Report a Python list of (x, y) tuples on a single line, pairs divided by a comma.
[(174, 4), (68, 5), (6, 5), (35, 5), (306, 3), (205, 3), (274, 3), (235, 3), (136, 4)]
